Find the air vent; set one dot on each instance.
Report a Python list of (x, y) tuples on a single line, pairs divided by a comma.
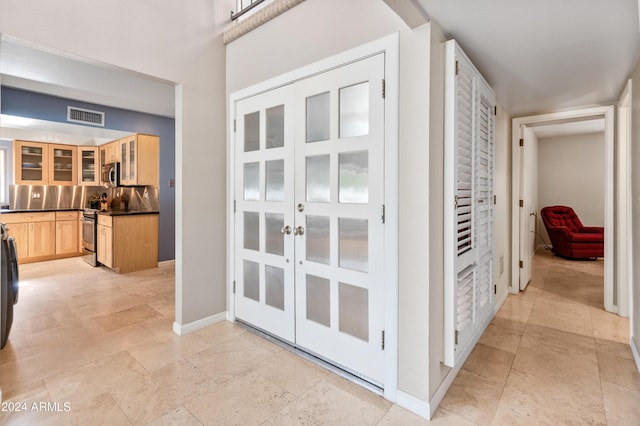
[(85, 116)]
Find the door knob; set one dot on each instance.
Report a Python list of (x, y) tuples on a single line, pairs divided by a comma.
[(286, 230), (298, 231)]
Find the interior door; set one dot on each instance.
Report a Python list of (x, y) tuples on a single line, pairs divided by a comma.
[(339, 216), (264, 245), (528, 209)]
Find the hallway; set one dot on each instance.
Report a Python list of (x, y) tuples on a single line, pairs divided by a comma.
[(103, 343)]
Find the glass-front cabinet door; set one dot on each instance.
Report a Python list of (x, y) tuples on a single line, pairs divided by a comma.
[(62, 165), (88, 171), (30, 163), (127, 161)]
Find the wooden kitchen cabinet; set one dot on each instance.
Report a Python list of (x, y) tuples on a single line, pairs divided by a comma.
[(128, 243), (30, 163), (67, 232), (35, 235), (37, 163), (139, 160), (89, 169), (109, 153), (62, 165)]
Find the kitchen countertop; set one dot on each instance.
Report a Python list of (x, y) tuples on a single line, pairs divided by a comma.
[(36, 210), (127, 212)]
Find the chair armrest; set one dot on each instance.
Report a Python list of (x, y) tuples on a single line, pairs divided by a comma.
[(593, 229)]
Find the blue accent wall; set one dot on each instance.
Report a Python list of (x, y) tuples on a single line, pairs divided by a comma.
[(28, 104)]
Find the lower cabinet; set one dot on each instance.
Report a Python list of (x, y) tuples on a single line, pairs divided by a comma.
[(128, 243), (67, 233), (35, 235)]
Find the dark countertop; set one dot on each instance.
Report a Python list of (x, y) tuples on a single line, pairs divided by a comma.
[(2, 211), (127, 212)]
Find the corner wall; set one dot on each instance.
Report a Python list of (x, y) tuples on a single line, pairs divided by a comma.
[(635, 210)]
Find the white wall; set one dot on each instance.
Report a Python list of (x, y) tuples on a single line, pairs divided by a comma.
[(175, 41), (571, 173), (635, 207)]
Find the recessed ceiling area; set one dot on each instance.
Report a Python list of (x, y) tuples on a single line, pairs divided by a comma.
[(568, 128), (26, 66)]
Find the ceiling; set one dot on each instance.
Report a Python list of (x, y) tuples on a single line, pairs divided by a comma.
[(539, 56), (36, 68), (545, 55)]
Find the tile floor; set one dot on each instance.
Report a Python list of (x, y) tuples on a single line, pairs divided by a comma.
[(103, 344)]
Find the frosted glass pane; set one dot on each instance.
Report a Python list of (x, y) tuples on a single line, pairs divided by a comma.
[(354, 310), (252, 230), (318, 291), (275, 180), (275, 127), (252, 131), (354, 244), (252, 181), (318, 239), (251, 276), (318, 178), (274, 283), (318, 117), (274, 241), (354, 177), (354, 110)]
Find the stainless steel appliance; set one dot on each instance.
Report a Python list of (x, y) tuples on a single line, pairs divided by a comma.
[(89, 236), (8, 283), (111, 174)]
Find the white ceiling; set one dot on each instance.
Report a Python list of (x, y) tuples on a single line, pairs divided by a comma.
[(545, 55), (569, 128)]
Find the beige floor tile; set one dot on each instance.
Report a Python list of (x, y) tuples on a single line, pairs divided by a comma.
[(230, 358), (619, 371), (607, 325), (109, 343), (399, 416), (501, 337), (562, 315), (82, 385), (219, 332), (157, 355), (548, 400), (126, 317), (620, 349), (489, 363), (327, 404), (358, 391), (472, 397), (443, 417), (301, 374), (100, 410), (622, 405), (180, 416), (242, 400)]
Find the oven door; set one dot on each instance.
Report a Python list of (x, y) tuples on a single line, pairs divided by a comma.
[(88, 233)]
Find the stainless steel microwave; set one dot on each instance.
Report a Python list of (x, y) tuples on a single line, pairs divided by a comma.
[(111, 174)]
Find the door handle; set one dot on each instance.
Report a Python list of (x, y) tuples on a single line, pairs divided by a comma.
[(286, 230), (298, 231)]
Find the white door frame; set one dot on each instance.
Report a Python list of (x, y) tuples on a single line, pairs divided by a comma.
[(606, 112), (390, 46), (624, 265)]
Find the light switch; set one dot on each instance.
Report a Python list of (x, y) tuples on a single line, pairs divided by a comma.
[(172, 183)]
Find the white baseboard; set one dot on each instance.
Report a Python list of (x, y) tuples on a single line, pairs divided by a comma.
[(181, 330), (636, 354), (167, 262), (413, 404)]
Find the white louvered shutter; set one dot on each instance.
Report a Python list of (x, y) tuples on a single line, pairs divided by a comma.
[(469, 235)]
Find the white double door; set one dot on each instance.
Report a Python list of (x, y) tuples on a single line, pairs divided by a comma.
[(309, 195)]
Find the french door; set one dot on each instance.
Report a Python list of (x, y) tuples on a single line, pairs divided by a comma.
[(309, 215)]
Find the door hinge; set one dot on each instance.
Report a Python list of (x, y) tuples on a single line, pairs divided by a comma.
[(521, 264), (521, 142), (494, 200), (495, 289), (383, 213), (384, 88), (234, 125), (457, 68), (455, 202), (457, 336), (495, 110), (234, 206), (382, 341), (521, 203), (234, 287)]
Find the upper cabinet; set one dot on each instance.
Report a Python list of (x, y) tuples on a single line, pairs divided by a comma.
[(109, 153), (30, 161), (139, 160), (62, 165), (89, 170), (38, 163)]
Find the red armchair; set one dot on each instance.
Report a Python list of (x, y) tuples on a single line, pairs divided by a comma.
[(569, 237)]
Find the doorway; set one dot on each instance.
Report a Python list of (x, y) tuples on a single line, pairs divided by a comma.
[(522, 177), (310, 246)]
